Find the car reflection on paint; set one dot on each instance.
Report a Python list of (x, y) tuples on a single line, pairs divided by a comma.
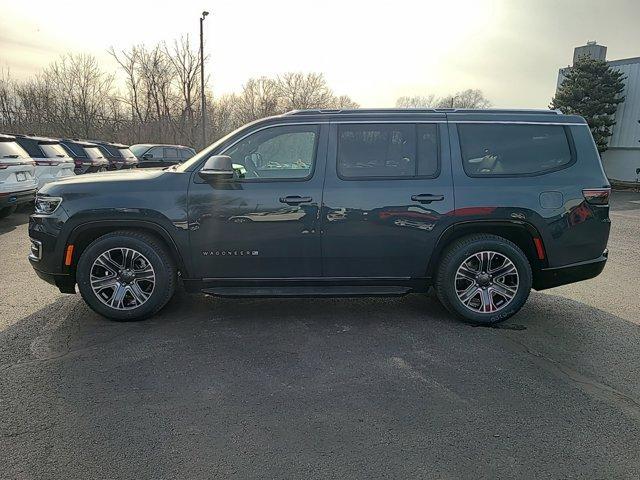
[(282, 215)]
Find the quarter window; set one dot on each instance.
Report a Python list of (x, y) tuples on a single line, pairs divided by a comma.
[(502, 149), (285, 152), (387, 150)]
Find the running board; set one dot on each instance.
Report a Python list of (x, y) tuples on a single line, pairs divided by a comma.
[(307, 291)]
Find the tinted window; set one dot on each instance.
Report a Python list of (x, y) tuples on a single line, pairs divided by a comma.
[(30, 146), (498, 149), (171, 154), (387, 150), (278, 152), (185, 154), (156, 153), (74, 149)]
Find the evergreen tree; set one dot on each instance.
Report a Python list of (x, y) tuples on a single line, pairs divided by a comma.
[(592, 89)]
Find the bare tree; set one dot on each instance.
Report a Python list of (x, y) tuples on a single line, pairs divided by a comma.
[(470, 98), (417, 101)]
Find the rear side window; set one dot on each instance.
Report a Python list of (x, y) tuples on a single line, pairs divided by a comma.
[(185, 154), (387, 150), (494, 149)]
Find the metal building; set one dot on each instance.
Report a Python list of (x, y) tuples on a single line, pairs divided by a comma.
[(622, 160)]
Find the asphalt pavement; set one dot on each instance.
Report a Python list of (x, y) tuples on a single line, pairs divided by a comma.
[(323, 388)]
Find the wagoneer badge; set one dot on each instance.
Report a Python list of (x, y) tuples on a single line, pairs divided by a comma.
[(230, 253)]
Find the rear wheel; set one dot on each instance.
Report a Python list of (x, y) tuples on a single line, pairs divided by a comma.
[(483, 279), (126, 275)]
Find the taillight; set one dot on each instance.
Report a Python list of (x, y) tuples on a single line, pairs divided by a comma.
[(597, 196)]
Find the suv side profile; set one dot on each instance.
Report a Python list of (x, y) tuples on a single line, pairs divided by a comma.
[(482, 205), (156, 155)]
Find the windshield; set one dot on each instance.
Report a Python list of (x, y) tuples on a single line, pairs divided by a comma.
[(138, 149), (126, 153), (53, 150), (183, 167), (93, 152), (12, 150)]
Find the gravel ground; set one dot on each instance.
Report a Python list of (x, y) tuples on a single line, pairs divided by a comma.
[(323, 388)]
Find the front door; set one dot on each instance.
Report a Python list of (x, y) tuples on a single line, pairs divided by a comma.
[(263, 224), (388, 196)]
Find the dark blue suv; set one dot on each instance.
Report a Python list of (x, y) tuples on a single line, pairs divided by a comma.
[(482, 205)]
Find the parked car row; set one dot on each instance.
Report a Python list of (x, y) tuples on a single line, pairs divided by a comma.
[(28, 162)]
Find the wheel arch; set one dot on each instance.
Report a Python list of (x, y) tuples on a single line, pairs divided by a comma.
[(82, 235), (519, 232)]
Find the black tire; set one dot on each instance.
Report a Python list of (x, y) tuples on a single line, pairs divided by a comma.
[(6, 211), (158, 257), (460, 251)]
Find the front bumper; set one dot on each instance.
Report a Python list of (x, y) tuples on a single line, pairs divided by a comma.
[(17, 198), (575, 272), (65, 283)]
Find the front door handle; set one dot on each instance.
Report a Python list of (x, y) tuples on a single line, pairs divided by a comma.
[(427, 198), (295, 199)]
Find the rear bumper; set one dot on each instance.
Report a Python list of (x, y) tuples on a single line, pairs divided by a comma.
[(17, 198), (575, 272)]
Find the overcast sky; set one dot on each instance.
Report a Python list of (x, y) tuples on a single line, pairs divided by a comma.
[(372, 51)]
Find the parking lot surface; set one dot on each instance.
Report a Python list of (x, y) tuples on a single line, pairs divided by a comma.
[(323, 388)]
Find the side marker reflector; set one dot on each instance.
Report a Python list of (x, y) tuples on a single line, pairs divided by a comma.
[(68, 258), (539, 247)]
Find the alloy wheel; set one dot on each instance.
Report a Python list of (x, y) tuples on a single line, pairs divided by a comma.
[(486, 282), (122, 278)]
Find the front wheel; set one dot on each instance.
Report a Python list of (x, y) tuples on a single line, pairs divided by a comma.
[(126, 275), (484, 279)]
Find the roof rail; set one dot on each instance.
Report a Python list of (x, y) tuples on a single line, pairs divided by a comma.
[(400, 111)]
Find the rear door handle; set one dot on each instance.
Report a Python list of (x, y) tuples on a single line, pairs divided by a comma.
[(295, 199), (427, 198)]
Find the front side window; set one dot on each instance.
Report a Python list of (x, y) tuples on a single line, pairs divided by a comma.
[(155, 153), (170, 153), (284, 152), (387, 150), (494, 149)]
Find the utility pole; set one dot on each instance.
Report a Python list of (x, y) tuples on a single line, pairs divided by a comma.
[(203, 106)]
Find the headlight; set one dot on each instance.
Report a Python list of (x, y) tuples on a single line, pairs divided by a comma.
[(47, 205)]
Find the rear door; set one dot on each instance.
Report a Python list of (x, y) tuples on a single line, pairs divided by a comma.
[(388, 196)]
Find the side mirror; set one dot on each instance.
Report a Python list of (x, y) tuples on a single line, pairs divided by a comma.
[(147, 156), (218, 167)]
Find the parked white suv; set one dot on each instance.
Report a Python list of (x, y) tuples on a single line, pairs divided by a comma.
[(18, 182), (52, 161)]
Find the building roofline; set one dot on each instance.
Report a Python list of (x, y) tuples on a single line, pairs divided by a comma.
[(624, 61)]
